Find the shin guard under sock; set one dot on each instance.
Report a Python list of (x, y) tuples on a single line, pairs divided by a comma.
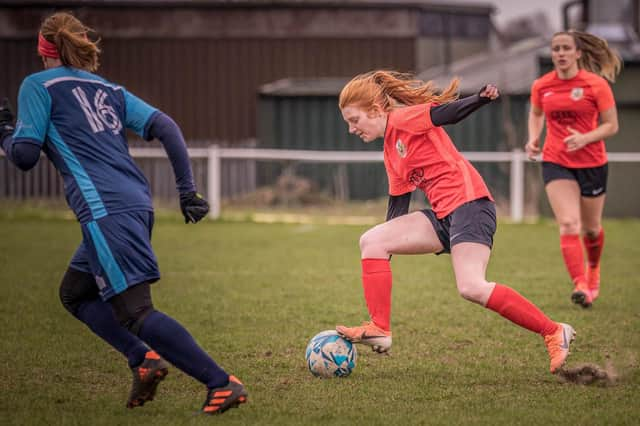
[(573, 255), (376, 282), (99, 317), (517, 309), (594, 248), (174, 343)]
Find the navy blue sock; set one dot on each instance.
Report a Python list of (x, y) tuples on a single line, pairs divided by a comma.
[(99, 317), (174, 343)]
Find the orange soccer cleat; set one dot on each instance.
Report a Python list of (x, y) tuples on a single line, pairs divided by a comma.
[(581, 295), (221, 399), (368, 334), (593, 280), (146, 378), (558, 345)]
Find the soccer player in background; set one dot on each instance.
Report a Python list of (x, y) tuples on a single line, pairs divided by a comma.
[(418, 153), (580, 111), (78, 119)]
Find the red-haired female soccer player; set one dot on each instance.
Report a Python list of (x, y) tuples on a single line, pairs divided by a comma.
[(78, 119), (581, 112), (419, 154)]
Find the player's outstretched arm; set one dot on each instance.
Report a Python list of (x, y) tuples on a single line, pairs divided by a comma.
[(23, 154), (193, 206), (453, 112)]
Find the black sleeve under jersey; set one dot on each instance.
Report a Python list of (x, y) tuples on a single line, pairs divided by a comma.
[(456, 111), (163, 128), (398, 205), (24, 154)]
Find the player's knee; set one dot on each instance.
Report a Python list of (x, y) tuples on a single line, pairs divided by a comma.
[(569, 226), (76, 288), (132, 319), (592, 232), (370, 241), (132, 307), (471, 290), (134, 322), (365, 241)]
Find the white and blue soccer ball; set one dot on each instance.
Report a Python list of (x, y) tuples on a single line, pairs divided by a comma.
[(329, 355)]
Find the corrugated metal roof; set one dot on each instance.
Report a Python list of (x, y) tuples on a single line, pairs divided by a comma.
[(513, 69)]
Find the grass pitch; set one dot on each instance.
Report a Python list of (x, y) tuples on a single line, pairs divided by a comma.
[(254, 294)]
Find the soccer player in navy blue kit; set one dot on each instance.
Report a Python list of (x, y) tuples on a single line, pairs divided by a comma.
[(78, 120)]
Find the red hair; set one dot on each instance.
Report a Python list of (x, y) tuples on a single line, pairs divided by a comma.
[(391, 89)]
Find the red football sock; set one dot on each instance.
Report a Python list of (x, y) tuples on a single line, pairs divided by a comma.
[(376, 281), (514, 307), (594, 248), (573, 255)]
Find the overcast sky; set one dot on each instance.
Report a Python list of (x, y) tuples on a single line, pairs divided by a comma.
[(508, 9)]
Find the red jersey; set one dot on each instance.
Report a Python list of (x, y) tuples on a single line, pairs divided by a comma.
[(418, 154), (574, 103)]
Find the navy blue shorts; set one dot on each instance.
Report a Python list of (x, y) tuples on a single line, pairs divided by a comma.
[(472, 222), (592, 180), (116, 249)]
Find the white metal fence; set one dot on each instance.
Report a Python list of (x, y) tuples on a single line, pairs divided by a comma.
[(215, 154)]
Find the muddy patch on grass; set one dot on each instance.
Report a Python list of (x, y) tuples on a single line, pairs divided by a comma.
[(589, 374)]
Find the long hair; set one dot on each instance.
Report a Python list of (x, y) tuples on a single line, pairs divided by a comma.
[(392, 89), (597, 56), (70, 37)]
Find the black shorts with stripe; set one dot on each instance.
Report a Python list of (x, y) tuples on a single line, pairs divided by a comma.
[(472, 222), (592, 180)]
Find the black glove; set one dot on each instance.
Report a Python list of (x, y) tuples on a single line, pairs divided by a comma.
[(6, 119), (193, 206)]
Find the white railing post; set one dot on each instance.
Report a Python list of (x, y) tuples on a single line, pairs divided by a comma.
[(517, 185), (214, 184)]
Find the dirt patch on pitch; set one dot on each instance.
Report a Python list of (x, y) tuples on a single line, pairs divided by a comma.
[(589, 374)]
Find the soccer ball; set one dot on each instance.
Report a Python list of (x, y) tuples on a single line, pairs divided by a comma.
[(329, 355)]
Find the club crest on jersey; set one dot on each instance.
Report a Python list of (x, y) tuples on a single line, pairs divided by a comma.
[(416, 177), (576, 93), (402, 150)]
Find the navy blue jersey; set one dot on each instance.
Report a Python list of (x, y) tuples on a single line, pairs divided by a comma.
[(79, 120)]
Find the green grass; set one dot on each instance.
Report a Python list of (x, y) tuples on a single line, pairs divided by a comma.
[(254, 294)]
